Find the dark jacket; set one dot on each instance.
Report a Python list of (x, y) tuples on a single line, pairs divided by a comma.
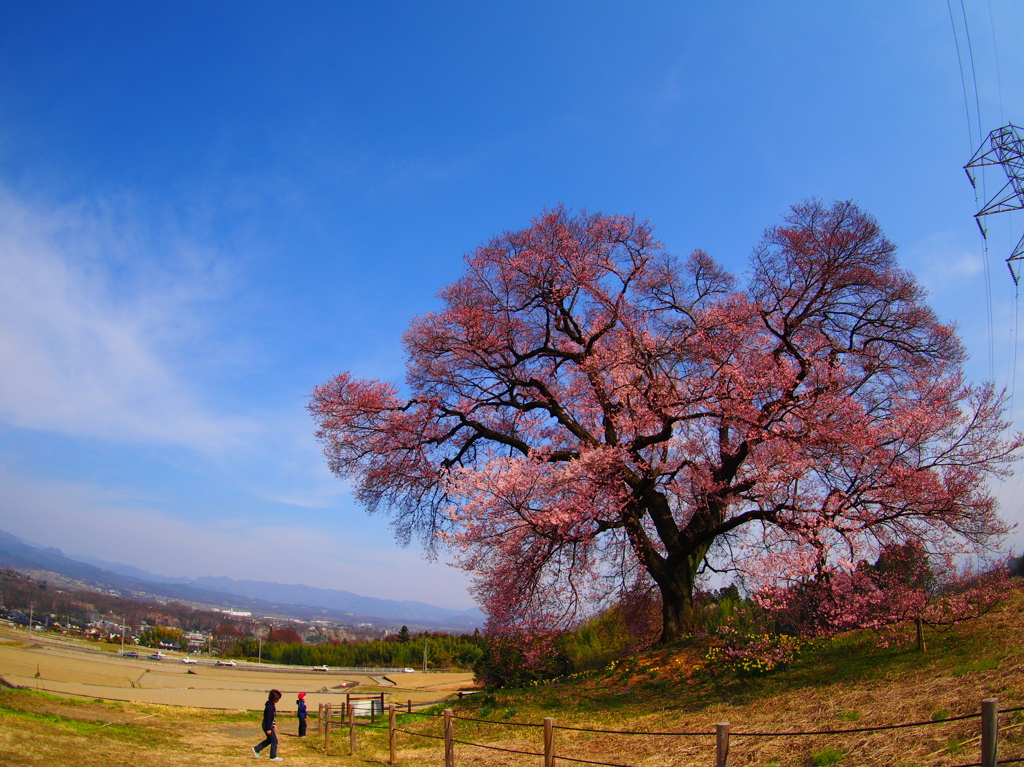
[(302, 708), (269, 714)]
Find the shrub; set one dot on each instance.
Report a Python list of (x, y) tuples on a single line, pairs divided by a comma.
[(519, 660), (751, 653)]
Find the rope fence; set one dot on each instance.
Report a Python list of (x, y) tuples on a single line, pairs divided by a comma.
[(421, 734), (359, 705)]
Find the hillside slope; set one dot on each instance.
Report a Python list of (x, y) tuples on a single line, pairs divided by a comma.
[(848, 683)]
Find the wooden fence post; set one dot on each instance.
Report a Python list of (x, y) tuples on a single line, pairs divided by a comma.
[(391, 734), (327, 727), (351, 730), (449, 736), (410, 706), (722, 744), (320, 720), (549, 742), (989, 732)]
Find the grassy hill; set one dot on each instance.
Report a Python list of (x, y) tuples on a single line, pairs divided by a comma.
[(843, 684)]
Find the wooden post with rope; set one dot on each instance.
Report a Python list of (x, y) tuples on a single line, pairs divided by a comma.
[(549, 742), (449, 737), (989, 732), (351, 730), (722, 744), (391, 735)]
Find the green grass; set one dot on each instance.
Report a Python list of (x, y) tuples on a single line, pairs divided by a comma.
[(19, 710), (827, 757), (14, 718), (982, 664), (954, 747)]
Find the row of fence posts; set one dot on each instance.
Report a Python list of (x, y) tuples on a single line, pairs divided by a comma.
[(989, 733), (989, 737)]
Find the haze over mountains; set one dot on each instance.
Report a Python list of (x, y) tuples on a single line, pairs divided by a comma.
[(261, 597)]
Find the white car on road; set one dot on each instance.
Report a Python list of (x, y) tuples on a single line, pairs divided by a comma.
[(226, 663), (187, 659), (320, 668)]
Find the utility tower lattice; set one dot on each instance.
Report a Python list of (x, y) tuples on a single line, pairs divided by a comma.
[(1004, 146)]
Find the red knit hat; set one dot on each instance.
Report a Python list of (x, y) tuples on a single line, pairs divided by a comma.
[(302, 695)]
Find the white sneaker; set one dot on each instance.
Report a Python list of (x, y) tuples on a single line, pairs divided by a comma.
[(276, 759), (255, 753)]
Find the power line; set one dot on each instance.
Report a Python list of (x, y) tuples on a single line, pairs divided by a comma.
[(995, 56), (988, 272), (974, 74), (963, 81), (977, 205)]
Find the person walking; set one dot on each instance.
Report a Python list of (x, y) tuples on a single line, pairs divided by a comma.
[(269, 727), (301, 703)]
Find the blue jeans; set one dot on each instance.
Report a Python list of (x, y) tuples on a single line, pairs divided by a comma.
[(271, 740)]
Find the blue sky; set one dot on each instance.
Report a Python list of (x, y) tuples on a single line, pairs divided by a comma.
[(208, 208)]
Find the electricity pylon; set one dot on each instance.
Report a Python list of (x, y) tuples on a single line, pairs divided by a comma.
[(1004, 146)]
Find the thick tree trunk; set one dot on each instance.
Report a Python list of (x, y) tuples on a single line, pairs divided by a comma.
[(675, 572), (678, 616)]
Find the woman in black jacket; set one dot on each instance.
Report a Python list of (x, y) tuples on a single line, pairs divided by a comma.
[(269, 714)]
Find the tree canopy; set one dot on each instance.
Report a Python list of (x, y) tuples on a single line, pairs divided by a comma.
[(586, 414)]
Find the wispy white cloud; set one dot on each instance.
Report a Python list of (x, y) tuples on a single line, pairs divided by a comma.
[(90, 321), (941, 264)]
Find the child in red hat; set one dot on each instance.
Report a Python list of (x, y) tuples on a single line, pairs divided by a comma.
[(301, 702)]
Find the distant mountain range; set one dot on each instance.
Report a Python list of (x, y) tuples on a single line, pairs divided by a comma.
[(259, 597)]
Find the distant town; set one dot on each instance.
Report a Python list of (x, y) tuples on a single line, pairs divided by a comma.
[(159, 624)]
